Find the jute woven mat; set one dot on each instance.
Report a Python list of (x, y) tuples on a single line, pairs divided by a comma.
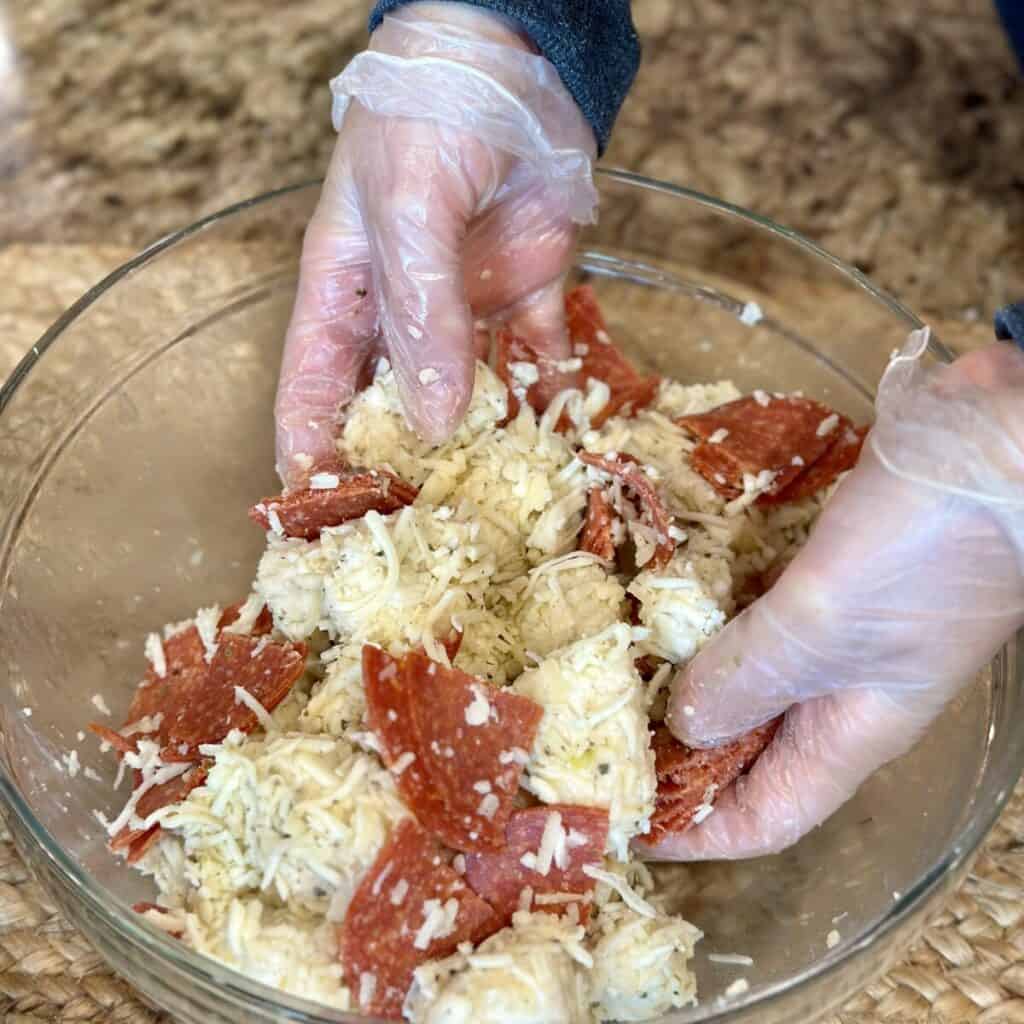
[(967, 967)]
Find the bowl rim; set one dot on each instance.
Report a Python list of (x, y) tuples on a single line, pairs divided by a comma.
[(208, 973)]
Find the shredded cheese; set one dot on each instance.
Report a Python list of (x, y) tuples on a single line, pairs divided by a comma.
[(619, 884), (593, 745), (827, 425), (261, 861), (324, 481), (438, 921), (262, 715), (552, 842), (155, 654), (479, 709)]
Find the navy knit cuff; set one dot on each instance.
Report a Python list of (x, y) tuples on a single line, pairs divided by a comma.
[(1012, 14), (592, 44), (1009, 324)]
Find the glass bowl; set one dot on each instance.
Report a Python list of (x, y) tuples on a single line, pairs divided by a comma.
[(137, 431)]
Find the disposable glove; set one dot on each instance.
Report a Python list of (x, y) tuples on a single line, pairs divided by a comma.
[(909, 584), (461, 170)]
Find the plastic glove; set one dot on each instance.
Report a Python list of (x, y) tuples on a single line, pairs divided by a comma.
[(460, 172), (910, 582)]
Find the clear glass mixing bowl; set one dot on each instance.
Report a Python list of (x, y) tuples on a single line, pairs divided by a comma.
[(136, 432)]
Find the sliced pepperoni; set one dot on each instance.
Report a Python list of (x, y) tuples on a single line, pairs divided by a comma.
[(263, 625), (647, 666), (689, 779), (409, 908), (306, 511), (598, 527), (629, 471), (500, 877), (142, 907), (187, 669), (630, 390), (750, 436), (196, 699), (207, 712), (122, 744), (138, 841), (191, 689), (453, 743), (842, 456), (452, 643), (551, 379)]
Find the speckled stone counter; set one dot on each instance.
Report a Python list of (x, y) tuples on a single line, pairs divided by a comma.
[(890, 133)]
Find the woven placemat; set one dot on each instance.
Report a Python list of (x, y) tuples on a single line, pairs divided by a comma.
[(966, 968)]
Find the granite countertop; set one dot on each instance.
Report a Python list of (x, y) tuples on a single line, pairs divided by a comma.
[(890, 133)]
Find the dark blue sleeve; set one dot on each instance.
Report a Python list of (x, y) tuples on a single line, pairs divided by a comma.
[(592, 44), (1012, 13)]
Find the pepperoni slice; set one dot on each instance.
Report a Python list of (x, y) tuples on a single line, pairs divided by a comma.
[(122, 744), (452, 742), (689, 779), (263, 625), (647, 666), (597, 536), (635, 480), (187, 669), (452, 643), (630, 390), (305, 511), (208, 712), (748, 436), (143, 907), (138, 841), (499, 877), (842, 456), (196, 699), (509, 348), (409, 908)]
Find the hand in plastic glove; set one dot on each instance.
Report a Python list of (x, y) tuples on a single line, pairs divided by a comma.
[(909, 584), (461, 169)]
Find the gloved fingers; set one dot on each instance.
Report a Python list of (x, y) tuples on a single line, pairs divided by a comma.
[(330, 337), (418, 192), (517, 248), (825, 749), (752, 671), (835, 618), (539, 319), (454, 120)]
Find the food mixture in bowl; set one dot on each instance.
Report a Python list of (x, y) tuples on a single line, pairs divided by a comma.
[(405, 774)]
